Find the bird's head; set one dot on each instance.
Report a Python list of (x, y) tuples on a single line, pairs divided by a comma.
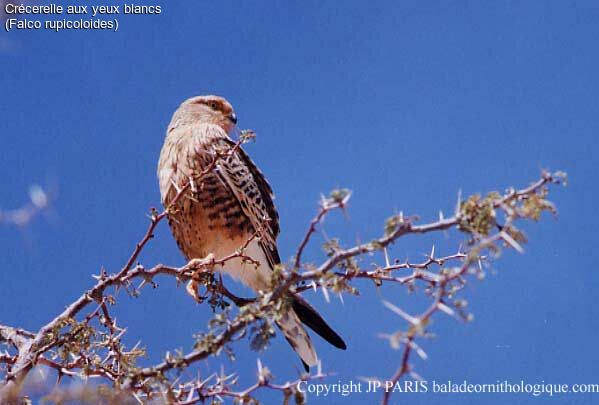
[(205, 109)]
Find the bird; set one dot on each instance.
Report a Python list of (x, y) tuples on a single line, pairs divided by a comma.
[(228, 205)]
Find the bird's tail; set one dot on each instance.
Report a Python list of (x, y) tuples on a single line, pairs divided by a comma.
[(298, 338), (296, 335), (312, 319)]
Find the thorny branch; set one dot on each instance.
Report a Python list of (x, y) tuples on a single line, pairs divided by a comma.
[(30, 351), (338, 201), (92, 347)]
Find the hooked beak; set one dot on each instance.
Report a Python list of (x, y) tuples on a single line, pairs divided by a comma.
[(233, 118)]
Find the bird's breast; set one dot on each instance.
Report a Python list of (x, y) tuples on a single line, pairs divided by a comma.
[(209, 220)]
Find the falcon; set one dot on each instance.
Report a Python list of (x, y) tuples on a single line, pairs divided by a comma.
[(227, 207)]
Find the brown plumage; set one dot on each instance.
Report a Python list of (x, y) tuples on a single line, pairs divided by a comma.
[(227, 207)]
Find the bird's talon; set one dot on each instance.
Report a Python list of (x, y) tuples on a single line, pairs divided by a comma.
[(197, 264)]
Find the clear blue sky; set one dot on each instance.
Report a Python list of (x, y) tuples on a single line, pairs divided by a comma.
[(404, 103)]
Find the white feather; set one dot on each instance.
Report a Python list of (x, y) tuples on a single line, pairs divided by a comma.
[(256, 277), (259, 278)]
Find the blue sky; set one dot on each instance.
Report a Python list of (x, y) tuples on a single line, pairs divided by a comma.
[(404, 104)]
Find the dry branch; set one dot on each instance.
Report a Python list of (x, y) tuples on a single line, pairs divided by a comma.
[(92, 347)]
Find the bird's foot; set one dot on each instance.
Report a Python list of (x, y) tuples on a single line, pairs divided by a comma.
[(199, 268), (200, 264)]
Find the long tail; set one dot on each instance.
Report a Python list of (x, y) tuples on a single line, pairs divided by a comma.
[(312, 319), (297, 336)]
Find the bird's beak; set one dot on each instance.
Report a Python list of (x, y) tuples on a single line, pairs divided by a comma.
[(233, 118)]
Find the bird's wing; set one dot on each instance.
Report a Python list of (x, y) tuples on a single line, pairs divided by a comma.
[(255, 196)]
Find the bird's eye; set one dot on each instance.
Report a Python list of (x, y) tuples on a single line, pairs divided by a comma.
[(214, 105)]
